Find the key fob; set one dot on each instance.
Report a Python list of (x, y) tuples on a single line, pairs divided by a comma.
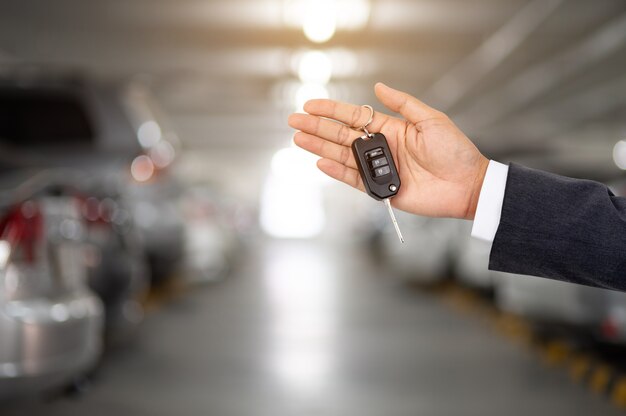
[(376, 166)]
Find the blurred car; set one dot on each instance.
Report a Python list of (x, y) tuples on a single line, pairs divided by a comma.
[(212, 241), (116, 267), (50, 322), (76, 129), (426, 255), (93, 127), (550, 302), (160, 224), (612, 328)]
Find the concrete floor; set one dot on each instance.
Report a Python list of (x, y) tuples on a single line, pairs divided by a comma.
[(308, 330)]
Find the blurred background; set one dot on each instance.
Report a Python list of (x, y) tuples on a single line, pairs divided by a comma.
[(164, 248)]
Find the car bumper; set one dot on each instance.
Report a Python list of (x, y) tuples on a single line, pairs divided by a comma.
[(46, 344)]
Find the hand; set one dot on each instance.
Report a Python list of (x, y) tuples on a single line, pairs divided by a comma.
[(440, 168)]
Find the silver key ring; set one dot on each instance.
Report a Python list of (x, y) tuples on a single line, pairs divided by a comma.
[(364, 127)]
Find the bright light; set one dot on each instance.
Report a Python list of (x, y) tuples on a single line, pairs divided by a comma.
[(308, 92), (142, 168), (297, 165), (320, 20), (291, 205), (5, 252), (619, 154), (303, 367), (315, 67), (149, 133), (290, 210), (352, 14), (162, 154), (302, 292)]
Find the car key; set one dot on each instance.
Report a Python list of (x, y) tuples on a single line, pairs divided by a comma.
[(378, 170)]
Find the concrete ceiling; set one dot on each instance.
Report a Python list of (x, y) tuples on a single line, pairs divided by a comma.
[(540, 81)]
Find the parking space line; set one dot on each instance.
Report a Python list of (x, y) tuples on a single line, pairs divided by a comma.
[(597, 375), (600, 379), (618, 396)]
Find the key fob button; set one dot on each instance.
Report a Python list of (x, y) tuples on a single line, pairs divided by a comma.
[(382, 171), (374, 153), (377, 163)]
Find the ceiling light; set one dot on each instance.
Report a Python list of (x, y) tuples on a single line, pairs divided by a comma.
[(315, 67), (321, 18), (320, 21)]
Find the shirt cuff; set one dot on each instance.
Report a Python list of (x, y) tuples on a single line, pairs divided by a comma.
[(489, 209)]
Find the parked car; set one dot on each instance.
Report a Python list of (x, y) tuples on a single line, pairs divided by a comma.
[(116, 265), (212, 242), (50, 322), (157, 214), (89, 126), (550, 302)]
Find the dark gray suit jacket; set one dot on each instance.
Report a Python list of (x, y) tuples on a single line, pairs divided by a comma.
[(566, 229)]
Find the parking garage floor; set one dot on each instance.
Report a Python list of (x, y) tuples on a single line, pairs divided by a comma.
[(310, 329)]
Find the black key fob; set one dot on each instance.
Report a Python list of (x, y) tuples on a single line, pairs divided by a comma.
[(376, 166)]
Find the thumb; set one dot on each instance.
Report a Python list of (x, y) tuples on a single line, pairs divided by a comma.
[(410, 107)]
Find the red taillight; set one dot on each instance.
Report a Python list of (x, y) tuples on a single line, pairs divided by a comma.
[(609, 329), (22, 228)]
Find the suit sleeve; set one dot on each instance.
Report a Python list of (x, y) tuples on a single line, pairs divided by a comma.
[(561, 228)]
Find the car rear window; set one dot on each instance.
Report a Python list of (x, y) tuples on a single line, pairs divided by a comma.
[(43, 118)]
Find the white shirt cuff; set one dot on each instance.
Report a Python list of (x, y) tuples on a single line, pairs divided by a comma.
[(489, 209)]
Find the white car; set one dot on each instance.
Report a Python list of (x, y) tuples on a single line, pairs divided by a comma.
[(50, 322), (211, 240), (550, 301)]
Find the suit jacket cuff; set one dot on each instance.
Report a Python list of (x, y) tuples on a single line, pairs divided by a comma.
[(490, 201)]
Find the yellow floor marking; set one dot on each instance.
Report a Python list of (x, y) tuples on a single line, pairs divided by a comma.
[(619, 393), (600, 379), (579, 366), (555, 353)]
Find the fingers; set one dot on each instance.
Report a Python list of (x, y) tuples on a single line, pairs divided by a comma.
[(325, 149), (410, 107), (326, 129), (341, 172), (351, 114)]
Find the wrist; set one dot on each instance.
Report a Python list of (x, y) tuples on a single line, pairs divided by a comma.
[(476, 187)]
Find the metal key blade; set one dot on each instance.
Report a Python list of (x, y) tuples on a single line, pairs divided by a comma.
[(387, 202)]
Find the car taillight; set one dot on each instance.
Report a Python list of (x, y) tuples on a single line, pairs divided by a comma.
[(610, 329), (21, 228)]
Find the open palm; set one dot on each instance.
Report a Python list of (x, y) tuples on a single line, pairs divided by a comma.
[(440, 168)]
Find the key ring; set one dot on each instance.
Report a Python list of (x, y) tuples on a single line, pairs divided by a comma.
[(364, 127)]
